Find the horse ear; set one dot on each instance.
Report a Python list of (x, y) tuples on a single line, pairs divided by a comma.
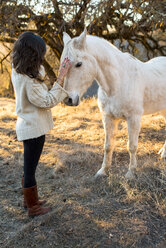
[(80, 41), (66, 38)]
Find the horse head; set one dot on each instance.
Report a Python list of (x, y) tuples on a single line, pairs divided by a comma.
[(83, 67)]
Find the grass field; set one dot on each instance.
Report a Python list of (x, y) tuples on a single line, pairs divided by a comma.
[(87, 213)]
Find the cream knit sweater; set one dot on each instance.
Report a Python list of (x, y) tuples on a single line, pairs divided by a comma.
[(33, 103)]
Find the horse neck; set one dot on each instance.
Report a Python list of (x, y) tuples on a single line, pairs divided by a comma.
[(107, 57)]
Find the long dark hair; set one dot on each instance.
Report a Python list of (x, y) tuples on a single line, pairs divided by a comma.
[(28, 54)]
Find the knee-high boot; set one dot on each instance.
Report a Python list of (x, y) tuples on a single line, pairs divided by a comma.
[(40, 202), (31, 198)]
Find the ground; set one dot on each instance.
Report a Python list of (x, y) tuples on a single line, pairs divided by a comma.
[(87, 213)]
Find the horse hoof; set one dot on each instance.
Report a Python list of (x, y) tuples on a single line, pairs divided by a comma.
[(162, 152), (100, 173), (129, 175), (163, 155)]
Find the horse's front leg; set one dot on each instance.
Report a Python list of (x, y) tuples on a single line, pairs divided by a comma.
[(134, 124), (110, 128)]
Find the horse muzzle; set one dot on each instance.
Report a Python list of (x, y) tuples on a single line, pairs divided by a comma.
[(70, 101)]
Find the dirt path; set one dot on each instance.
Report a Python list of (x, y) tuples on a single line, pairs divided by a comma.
[(109, 212)]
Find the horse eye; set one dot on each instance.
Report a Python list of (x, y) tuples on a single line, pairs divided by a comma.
[(78, 64)]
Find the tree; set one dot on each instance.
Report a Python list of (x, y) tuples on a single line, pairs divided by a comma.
[(128, 21)]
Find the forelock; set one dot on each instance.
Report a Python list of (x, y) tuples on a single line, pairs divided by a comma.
[(69, 51)]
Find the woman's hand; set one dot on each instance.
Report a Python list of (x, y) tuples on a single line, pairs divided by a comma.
[(64, 67)]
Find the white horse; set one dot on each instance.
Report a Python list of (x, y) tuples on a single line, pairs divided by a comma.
[(128, 88)]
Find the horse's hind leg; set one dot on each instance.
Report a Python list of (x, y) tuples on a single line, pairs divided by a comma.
[(134, 124), (110, 128), (163, 149)]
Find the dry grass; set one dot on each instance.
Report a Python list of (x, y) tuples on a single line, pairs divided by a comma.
[(110, 212)]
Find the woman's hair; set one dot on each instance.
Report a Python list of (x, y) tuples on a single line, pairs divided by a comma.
[(28, 54)]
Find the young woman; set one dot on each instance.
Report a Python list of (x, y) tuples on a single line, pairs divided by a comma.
[(33, 103)]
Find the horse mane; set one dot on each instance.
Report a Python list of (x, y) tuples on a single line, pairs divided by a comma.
[(110, 53)]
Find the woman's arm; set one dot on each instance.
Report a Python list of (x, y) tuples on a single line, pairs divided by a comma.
[(43, 98)]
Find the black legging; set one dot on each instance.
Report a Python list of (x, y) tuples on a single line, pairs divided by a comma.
[(32, 151)]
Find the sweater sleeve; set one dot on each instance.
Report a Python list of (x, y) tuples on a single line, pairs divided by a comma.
[(42, 98)]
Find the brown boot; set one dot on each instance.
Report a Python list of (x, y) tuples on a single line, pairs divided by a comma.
[(24, 202), (31, 198)]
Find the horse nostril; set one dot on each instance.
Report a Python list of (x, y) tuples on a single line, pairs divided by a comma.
[(70, 100)]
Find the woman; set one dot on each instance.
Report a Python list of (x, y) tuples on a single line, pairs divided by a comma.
[(33, 103)]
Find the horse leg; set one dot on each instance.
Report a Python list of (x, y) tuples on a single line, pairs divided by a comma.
[(110, 128), (134, 124), (163, 149)]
